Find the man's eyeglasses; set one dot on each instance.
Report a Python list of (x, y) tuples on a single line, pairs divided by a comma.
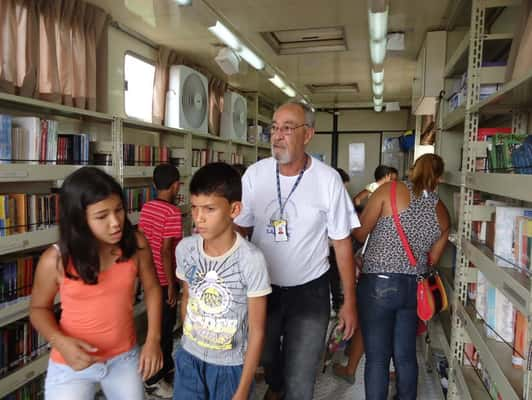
[(285, 130)]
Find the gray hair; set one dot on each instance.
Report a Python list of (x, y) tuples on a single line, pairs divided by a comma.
[(310, 116)]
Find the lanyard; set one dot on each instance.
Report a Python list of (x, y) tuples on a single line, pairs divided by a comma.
[(281, 204)]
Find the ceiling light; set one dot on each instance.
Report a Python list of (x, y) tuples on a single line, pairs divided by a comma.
[(377, 101), (377, 108), (377, 77), (184, 2), (254, 60), (377, 51), (277, 81), (225, 35), (378, 89), (378, 24), (289, 91)]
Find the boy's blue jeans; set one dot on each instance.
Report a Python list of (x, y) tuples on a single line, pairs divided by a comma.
[(197, 380), (388, 318), (295, 337)]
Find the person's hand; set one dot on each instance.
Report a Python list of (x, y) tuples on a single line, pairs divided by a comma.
[(77, 354), (151, 359), (172, 295), (348, 319)]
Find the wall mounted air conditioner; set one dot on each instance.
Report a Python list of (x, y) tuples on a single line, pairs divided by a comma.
[(187, 99), (234, 117)]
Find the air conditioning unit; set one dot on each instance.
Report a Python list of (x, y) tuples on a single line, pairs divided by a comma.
[(187, 99), (234, 117)]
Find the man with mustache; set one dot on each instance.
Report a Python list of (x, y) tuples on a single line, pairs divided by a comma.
[(292, 204)]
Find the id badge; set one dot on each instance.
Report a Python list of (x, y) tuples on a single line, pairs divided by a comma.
[(279, 227)]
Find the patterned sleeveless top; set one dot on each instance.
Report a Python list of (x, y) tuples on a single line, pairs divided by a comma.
[(385, 252)]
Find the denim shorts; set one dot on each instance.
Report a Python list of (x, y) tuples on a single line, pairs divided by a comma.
[(196, 379), (118, 377)]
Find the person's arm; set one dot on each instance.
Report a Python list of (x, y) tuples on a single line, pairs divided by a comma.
[(166, 257), (360, 197), (172, 233), (257, 326), (370, 214), (346, 267), (184, 301), (444, 221), (76, 353), (151, 359)]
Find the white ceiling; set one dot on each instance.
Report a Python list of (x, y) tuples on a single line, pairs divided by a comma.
[(185, 29)]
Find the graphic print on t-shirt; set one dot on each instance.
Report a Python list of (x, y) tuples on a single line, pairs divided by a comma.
[(214, 289), (272, 210)]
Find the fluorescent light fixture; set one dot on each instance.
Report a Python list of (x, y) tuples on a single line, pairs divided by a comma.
[(377, 108), (378, 24), (377, 77), (252, 59), (378, 89), (277, 81), (377, 101), (377, 51), (289, 91), (225, 35), (184, 2), (304, 101)]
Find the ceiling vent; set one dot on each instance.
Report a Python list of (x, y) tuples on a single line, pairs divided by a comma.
[(310, 40), (333, 87)]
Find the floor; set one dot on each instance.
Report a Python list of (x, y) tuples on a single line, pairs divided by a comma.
[(329, 387)]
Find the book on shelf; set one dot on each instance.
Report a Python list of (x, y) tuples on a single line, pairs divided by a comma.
[(16, 278), (21, 212), (20, 344), (136, 197), (5, 139)]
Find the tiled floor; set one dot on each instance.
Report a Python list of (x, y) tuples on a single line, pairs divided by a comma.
[(328, 387)]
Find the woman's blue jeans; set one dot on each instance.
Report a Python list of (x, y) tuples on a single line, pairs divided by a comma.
[(388, 318)]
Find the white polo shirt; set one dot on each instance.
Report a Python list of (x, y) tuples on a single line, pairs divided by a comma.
[(318, 209)]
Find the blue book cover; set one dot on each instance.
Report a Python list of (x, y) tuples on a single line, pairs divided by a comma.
[(5, 139)]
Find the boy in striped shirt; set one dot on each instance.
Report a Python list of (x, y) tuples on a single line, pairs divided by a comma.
[(160, 221)]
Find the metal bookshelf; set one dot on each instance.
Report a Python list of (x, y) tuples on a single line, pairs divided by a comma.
[(23, 176), (513, 101)]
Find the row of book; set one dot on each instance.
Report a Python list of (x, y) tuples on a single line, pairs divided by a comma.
[(33, 390), (459, 91), (27, 139), (472, 358), (144, 155), (509, 237), (37, 141), (20, 344), (16, 278), (501, 146), (201, 157), (22, 212), (137, 196)]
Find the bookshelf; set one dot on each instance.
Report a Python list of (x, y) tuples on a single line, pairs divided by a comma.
[(460, 148), (107, 134)]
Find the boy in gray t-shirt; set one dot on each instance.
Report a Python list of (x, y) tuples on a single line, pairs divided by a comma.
[(225, 284)]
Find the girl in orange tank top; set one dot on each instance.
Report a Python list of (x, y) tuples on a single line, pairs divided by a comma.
[(93, 268)]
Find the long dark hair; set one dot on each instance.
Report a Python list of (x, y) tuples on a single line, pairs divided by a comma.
[(86, 186)]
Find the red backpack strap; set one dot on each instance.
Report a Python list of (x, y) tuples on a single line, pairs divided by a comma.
[(395, 215)]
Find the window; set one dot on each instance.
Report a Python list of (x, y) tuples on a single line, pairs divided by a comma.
[(138, 89)]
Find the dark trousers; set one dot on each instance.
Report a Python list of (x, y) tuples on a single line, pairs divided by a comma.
[(168, 320), (388, 318), (295, 337)]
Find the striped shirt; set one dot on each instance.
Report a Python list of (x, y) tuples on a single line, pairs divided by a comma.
[(161, 220)]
